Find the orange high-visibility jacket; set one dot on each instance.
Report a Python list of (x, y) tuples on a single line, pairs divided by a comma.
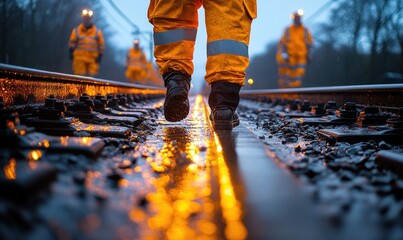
[(297, 40), (87, 43), (228, 25), (135, 57)]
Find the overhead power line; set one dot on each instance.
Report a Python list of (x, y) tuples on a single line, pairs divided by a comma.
[(123, 16), (318, 12), (137, 31)]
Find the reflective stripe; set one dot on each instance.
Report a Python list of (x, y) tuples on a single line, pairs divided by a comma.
[(294, 67), (136, 65), (87, 37), (176, 35), (87, 43), (227, 47), (287, 35), (87, 49), (134, 60), (293, 79)]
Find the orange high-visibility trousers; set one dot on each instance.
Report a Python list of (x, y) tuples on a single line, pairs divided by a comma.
[(136, 74), (282, 67), (295, 70), (228, 25), (85, 66)]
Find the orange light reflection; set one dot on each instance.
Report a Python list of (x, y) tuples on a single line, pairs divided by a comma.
[(9, 170), (231, 208), (181, 206), (34, 155)]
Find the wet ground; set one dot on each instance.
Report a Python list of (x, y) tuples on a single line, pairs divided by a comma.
[(270, 178), (347, 182)]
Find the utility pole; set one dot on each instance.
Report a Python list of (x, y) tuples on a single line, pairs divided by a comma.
[(150, 41), (136, 28), (4, 41)]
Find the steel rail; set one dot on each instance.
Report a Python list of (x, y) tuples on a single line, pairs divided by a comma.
[(20, 85), (388, 95)]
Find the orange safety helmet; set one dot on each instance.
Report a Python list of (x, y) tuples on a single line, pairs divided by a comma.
[(136, 43), (299, 13)]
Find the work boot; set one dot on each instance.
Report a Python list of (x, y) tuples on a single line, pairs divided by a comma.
[(176, 105), (223, 101)]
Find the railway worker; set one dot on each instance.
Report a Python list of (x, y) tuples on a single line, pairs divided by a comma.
[(136, 64), (153, 76), (296, 45), (86, 46), (281, 67), (228, 25)]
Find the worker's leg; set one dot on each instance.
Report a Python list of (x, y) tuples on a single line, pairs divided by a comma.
[(79, 67), (131, 73), (298, 64), (228, 26), (93, 68), (282, 68), (175, 25), (128, 75)]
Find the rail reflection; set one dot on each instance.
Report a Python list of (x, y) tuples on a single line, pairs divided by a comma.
[(181, 205)]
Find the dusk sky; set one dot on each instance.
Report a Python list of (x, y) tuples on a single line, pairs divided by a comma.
[(273, 16)]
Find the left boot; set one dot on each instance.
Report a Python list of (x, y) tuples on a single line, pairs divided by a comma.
[(223, 101), (176, 105)]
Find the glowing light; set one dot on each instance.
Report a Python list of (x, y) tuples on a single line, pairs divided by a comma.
[(123, 183), (85, 140), (137, 215), (230, 207), (250, 81), (87, 12), (34, 155), (300, 12), (182, 185), (207, 227), (9, 170), (44, 143)]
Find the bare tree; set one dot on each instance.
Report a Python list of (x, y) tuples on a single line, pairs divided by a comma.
[(37, 32), (396, 26)]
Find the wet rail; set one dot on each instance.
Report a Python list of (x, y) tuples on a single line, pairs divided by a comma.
[(85, 158), (21, 85)]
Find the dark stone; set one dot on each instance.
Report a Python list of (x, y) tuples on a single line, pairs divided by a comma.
[(143, 202)]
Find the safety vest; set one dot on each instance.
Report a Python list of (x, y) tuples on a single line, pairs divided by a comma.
[(297, 40), (135, 57), (87, 40)]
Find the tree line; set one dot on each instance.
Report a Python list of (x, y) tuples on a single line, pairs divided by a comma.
[(361, 43), (35, 34)]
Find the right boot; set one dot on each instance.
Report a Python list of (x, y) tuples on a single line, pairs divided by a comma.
[(223, 101), (176, 105)]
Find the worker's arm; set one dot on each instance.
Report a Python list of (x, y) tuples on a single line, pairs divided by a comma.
[(283, 43), (101, 46), (72, 43)]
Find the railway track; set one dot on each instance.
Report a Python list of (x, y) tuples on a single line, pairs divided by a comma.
[(86, 158)]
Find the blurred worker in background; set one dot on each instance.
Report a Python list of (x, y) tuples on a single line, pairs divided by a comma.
[(228, 25), (153, 77), (86, 46), (296, 44), (282, 67), (136, 64)]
